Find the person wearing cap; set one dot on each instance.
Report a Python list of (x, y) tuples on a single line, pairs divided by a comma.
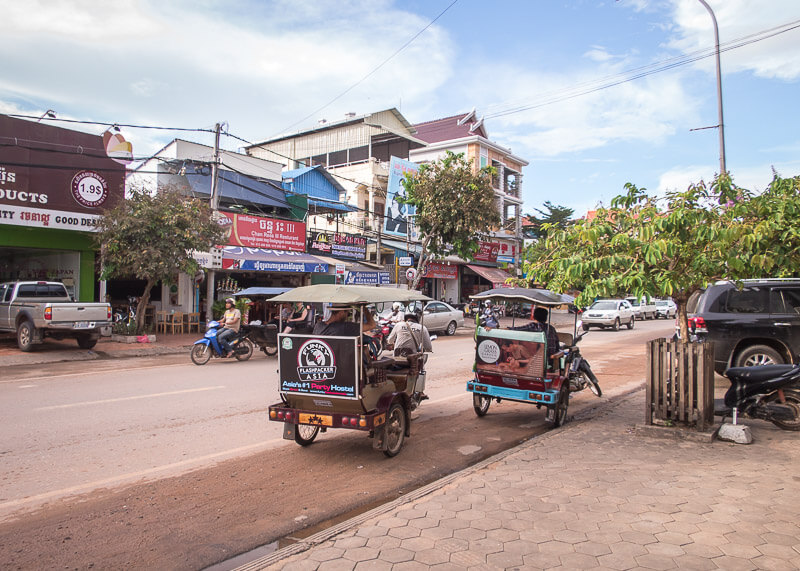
[(337, 323), (230, 323)]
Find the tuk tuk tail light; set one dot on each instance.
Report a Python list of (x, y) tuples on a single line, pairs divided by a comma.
[(362, 422), (272, 414), (288, 415)]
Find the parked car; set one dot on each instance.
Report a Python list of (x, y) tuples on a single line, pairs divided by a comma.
[(666, 308), (35, 310), (437, 316), (608, 313), (643, 308), (756, 325)]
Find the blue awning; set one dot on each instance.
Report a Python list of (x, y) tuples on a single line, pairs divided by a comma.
[(261, 260)]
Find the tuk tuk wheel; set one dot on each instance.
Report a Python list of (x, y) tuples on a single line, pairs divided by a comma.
[(395, 431), (481, 404), (559, 416), (304, 434), (270, 350), (244, 351)]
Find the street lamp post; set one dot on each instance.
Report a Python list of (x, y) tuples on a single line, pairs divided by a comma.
[(722, 168)]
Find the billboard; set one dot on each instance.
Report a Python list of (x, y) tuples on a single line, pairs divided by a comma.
[(399, 220), (265, 233), (338, 245)]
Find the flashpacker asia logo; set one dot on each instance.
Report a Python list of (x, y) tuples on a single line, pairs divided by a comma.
[(316, 361)]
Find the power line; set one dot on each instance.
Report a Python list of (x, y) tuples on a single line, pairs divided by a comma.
[(111, 124), (379, 66)]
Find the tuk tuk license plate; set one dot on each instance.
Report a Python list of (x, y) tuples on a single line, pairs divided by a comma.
[(316, 419)]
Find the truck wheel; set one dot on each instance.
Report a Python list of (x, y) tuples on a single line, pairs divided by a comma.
[(86, 341), (25, 336), (630, 323)]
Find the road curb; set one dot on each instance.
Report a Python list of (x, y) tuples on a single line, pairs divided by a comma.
[(604, 408)]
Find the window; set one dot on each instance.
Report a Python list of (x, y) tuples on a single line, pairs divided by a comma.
[(785, 300), (748, 300)]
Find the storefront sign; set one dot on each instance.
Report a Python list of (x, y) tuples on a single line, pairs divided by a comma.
[(506, 259), (440, 270), (268, 233), (338, 245), (487, 251), (367, 278), (45, 218), (78, 181), (260, 260), (319, 366), (405, 261)]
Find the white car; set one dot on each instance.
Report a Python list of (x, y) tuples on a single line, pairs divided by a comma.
[(643, 308), (437, 316), (666, 308), (608, 313)]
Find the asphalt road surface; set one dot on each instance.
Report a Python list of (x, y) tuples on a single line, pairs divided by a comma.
[(155, 462)]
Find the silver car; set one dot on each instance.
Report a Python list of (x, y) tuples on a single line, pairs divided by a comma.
[(666, 308), (439, 316), (608, 313)]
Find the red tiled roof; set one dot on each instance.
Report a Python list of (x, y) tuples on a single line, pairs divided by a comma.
[(448, 128)]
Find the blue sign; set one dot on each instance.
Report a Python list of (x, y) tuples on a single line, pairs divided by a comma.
[(367, 278), (287, 266)]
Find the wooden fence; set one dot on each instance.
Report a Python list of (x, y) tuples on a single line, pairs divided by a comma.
[(680, 383)]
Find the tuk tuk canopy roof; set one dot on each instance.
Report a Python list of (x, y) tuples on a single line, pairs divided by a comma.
[(348, 294), (538, 296)]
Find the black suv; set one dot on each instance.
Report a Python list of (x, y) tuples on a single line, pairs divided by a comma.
[(757, 325)]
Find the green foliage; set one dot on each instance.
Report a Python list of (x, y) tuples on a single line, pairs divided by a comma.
[(558, 216), (674, 246), (455, 207), (218, 308), (151, 237)]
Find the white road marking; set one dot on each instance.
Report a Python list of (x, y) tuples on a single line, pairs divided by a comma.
[(87, 373), (138, 397)]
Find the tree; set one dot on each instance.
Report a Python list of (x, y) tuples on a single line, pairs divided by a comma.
[(455, 207), (675, 246), (150, 237), (558, 216)]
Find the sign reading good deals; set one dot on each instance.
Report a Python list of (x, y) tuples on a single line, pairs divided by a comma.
[(338, 245)]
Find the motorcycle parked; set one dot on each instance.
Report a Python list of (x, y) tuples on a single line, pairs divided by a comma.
[(765, 392), (579, 374), (209, 346), (263, 336)]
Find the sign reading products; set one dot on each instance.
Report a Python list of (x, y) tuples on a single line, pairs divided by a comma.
[(338, 245)]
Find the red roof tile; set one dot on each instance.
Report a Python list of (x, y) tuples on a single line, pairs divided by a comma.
[(448, 128)]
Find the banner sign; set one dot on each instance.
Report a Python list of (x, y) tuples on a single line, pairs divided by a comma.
[(324, 366), (267, 233), (338, 245), (512, 359), (52, 177), (399, 217), (487, 251), (367, 278), (405, 261), (440, 270), (259, 260)]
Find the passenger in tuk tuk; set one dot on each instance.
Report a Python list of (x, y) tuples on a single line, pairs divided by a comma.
[(337, 323), (409, 336)]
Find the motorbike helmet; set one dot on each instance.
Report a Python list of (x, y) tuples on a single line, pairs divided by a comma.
[(231, 301), (397, 306), (489, 303)]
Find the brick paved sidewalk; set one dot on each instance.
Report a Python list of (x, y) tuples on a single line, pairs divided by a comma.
[(594, 494)]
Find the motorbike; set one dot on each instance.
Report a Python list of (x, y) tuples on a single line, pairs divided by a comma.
[(384, 329), (209, 346), (765, 392), (580, 373)]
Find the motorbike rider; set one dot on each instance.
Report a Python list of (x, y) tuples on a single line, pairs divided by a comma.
[(229, 324), (397, 315), (490, 316)]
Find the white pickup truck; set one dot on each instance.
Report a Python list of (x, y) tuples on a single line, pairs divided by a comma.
[(644, 308), (34, 310)]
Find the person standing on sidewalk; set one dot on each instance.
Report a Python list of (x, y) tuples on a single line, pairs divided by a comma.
[(230, 323)]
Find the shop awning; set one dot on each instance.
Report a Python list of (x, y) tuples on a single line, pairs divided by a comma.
[(497, 276), (260, 260), (410, 247)]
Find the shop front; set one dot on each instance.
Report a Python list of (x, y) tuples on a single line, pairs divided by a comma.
[(441, 281), (54, 185)]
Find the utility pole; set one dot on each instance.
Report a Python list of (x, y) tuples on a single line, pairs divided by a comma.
[(210, 285), (722, 167)]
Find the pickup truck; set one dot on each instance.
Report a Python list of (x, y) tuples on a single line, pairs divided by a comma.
[(644, 308), (34, 310)]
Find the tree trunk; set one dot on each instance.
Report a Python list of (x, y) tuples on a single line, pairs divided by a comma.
[(424, 257), (143, 302)]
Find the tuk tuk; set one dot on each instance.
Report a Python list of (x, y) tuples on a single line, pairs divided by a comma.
[(517, 364), (334, 381)]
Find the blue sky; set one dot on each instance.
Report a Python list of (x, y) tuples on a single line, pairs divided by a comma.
[(264, 67)]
